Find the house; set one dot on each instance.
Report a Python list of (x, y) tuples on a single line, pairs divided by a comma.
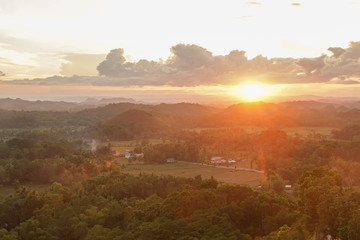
[(217, 160), (128, 154), (116, 153), (171, 160), (231, 161)]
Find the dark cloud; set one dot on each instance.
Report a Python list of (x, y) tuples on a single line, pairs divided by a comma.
[(113, 66), (2, 74), (192, 65)]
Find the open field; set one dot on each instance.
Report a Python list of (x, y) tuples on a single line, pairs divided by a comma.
[(292, 131), (183, 169), (309, 131), (247, 129)]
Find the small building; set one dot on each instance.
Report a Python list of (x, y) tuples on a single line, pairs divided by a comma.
[(139, 155), (116, 153), (217, 160), (128, 154), (231, 161), (171, 160)]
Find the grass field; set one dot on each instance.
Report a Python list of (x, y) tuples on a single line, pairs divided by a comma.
[(292, 131), (183, 169), (247, 129), (309, 131)]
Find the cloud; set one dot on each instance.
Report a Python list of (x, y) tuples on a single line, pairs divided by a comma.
[(8, 62), (344, 81), (2, 74), (189, 57), (295, 4), (312, 65), (19, 44), (193, 65), (344, 64), (245, 16), (337, 51), (80, 64), (113, 66), (254, 3)]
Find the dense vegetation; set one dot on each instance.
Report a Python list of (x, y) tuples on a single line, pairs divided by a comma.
[(119, 206), (89, 196), (27, 160)]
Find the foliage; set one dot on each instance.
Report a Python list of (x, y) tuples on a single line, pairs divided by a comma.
[(119, 206)]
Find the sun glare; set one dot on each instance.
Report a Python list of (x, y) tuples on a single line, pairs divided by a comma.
[(251, 91)]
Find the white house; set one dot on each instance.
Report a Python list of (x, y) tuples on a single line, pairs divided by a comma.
[(171, 160), (128, 154), (231, 161), (217, 160)]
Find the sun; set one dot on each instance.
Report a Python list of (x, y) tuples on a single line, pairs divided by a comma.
[(251, 91)]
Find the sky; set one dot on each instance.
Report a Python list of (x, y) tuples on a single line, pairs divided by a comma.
[(56, 49)]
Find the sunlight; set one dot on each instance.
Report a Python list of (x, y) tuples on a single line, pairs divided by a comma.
[(251, 91)]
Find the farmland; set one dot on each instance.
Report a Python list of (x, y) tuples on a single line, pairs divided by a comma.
[(190, 170)]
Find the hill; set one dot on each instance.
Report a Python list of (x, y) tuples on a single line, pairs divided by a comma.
[(134, 123), (139, 121), (286, 114), (188, 115), (185, 113), (24, 105)]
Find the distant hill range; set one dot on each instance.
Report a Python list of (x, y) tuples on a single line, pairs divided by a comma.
[(285, 114), (129, 118), (25, 105), (314, 98)]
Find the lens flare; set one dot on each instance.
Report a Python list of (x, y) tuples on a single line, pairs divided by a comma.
[(251, 91)]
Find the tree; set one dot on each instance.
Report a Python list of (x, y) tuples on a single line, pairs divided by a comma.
[(5, 235), (277, 184), (30, 230), (317, 194), (98, 232)]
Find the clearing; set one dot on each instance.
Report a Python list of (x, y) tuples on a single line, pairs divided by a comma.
[(190, 170)]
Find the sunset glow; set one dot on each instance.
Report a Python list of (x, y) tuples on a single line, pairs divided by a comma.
[(251, 91), (235, 119), (40, 46)]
